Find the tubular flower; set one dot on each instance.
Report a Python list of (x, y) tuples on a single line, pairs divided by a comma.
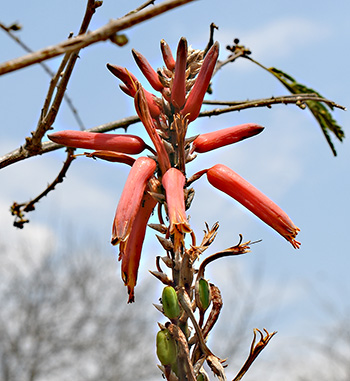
[(142, 109), (213, 140), (123, 143), (147, 71), (182, 83), (173, 182), (228, 181), (130, 88), (131, 198), (178, 92), (130, 250), (196, 96)]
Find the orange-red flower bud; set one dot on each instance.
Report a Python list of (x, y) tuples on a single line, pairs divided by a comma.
[(132, 247), (131, 197), (213, 140), (147, 71), (196, 96), (173, 182), (125, 76), (167, 55), (130, 88), (142, 109), (124, 143), (228, 181), (178, 91)]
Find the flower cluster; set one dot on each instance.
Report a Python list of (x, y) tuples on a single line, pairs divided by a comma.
[(161, 178)]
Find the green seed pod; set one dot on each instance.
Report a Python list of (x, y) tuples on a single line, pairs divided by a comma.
[(166, 348), (203, 294), (170, 303), (202, 377)]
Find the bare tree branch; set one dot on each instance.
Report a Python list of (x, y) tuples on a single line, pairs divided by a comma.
[(82, 41), (47, 69), (18, 210), (21, 154)]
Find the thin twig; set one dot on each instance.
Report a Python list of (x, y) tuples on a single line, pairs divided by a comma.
[(82, 41), (60, 80), (142, 6), (48, 71), (21, 154), (297, 99), (18, 210)]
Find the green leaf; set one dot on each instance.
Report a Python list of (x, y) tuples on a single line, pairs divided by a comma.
[(318, 109)]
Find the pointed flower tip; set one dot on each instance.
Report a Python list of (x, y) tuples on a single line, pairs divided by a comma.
[(147, 70), (229, 182)]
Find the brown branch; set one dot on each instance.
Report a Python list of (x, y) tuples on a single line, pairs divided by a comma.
[(60, 80), (18, 210), (82, 41), (297, 99), (21, 154), (47, 69)]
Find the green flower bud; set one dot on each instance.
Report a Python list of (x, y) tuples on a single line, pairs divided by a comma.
[(166, 348), (170, 303), (203, 294)]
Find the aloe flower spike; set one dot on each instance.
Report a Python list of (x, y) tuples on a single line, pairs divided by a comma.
[(178, 91), (195, 98), (228, 181), (147, 71), (131, 197)]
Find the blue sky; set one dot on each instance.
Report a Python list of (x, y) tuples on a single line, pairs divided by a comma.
[(290, 161)]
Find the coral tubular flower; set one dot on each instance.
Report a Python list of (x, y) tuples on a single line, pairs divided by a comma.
[(178, 91), (167, 55), (213, 140), (131, 197), (130, 88), (196, 96), (228, 181), (143, 112), (147, 70), (130, 250), (173, 182), (130, 144)]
